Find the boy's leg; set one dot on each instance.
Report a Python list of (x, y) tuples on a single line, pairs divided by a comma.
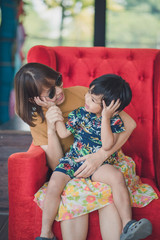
[(76, 228), (110, 175), (55, 187)]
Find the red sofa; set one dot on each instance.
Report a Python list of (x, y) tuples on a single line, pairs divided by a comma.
[(27, 171)]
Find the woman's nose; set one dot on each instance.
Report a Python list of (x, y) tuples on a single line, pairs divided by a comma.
[(58, 90)]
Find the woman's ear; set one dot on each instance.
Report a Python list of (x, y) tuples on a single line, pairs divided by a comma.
[(31, 100)]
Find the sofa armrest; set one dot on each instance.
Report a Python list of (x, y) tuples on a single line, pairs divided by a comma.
[(27, 172)]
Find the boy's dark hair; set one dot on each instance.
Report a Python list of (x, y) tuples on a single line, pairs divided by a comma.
[(112, 87)]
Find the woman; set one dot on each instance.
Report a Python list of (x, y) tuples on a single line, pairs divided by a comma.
[(36, 79)]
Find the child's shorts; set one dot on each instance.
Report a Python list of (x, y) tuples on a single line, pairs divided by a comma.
[(68, 167)]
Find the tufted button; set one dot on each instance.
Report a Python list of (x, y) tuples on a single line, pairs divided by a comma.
[(141, 78), (92, 74), (130, 57), (69, 73), (80, 55), (139, 119), (119, 73), (105, 56)]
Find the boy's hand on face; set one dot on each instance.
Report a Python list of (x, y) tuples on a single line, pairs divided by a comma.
[(43, 102), (111, 110)]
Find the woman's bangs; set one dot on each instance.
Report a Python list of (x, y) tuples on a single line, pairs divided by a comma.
[(49, 82)]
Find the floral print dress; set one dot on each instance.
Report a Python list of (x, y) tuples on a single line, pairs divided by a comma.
[(82, 196)]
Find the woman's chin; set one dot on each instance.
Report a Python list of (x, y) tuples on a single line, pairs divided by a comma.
[(61, 99)]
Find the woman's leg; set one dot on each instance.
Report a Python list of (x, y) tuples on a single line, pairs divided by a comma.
[(55, 187), (110, 223), (110, 175), (75, 229)]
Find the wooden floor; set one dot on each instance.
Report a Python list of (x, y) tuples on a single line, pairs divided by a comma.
[(14, 137), (4, 226)]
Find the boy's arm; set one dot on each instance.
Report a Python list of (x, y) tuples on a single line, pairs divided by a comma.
[(108, 138), (62, 131)]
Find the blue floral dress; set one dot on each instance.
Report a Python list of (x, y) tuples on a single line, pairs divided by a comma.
[(86, 128)]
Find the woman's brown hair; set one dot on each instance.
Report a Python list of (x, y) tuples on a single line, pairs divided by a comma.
[(28, 83)]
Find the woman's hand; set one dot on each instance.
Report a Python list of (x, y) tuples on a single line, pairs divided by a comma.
[(91, 163), (111, 110), (43, 102), (53, 115)]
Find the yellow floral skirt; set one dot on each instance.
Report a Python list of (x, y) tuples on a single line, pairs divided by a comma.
[(82, 196)]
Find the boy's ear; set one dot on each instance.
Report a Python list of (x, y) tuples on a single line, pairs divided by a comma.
[(102, 100)]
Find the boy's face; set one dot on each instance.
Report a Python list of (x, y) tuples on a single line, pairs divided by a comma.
[(93, 103)]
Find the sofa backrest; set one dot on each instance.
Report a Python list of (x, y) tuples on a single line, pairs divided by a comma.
[(140, 67)]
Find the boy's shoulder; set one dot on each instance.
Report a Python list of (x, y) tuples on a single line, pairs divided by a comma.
[(116, 119), (117, 124), (78, 112)]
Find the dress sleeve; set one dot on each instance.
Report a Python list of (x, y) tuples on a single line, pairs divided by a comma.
[(117, 124), (72, 123)]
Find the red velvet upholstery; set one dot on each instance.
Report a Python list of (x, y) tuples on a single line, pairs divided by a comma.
[(79, 66)]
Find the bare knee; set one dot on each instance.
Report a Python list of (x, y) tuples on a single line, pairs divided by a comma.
[(118, 178), (53, 187)]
